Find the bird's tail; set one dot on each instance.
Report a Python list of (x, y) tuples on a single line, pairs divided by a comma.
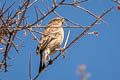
[(44, 57), (42, 62)]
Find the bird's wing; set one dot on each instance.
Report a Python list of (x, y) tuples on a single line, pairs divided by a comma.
[(45, 39), (43, 43)]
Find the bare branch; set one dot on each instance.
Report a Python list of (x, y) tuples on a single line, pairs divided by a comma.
[(84, 32), (1, 14), (67, 39), (75, 2), (36, 14), (30, 67), (35, 38), (42, 13), (32, 3), (116, 1)]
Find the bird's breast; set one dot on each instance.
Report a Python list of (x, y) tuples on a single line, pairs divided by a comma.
[(56, 42)]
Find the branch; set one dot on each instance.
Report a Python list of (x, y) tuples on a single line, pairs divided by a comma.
[(116, 1), (30, 67), (13, 33)]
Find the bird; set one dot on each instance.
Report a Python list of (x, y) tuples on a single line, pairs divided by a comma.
[(50, 40)]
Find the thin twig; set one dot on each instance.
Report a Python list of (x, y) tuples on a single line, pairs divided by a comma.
[(39, 26), (36, 13), (67, 39), (40, 11), (34, 36), (32, 3), (89, 12), (15, 47), (75, 2), (30, 67), (1, 14), (56, 13), (116, 1)]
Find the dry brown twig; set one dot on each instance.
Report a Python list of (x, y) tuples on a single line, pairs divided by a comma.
[(14, 20), (12, 34)]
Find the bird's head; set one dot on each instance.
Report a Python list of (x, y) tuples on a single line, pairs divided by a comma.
[(57, 21)]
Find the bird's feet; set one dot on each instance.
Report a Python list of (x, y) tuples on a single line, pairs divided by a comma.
[(50, 62), (62, 50)]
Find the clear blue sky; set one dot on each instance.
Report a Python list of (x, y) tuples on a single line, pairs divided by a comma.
[(100, 54)]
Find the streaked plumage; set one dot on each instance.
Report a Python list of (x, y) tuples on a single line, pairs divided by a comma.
[(51, 40)]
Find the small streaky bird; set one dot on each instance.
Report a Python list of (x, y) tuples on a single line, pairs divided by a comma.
[(50, 40)]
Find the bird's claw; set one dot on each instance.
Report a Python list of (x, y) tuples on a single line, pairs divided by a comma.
[(50, 62), (62, 50)]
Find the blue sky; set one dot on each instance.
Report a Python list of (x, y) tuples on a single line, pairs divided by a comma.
[(100, 54)]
